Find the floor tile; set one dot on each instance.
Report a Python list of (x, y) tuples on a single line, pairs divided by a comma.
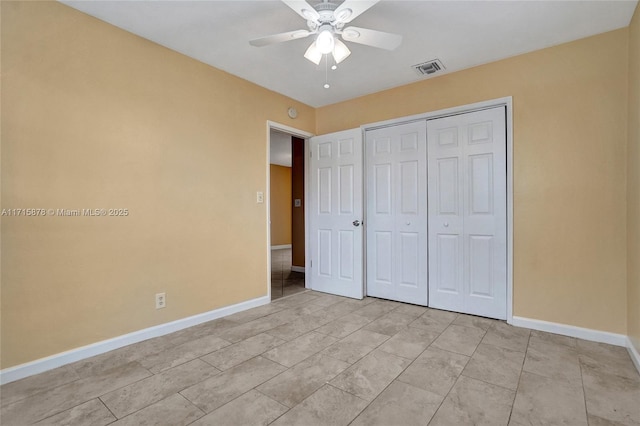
[(355, 346), (15, 391), (607, 358), (495, 365), (473, 321), (290, 287), (251, 409), (391, 303), (255, 313), (348, 352), (474, 402), (340, 310), (92, 413), (555, 338), (553, 360), (307, 308), (602, 351), (174, 410), (300, 381), (611, 397), (544, 401), (364, 362), (182, 353), (459, 339), (434, 319), (327, 406), (217, 391), (293, 329), (366, 337), (507, 336), (342, 327), (390, 323), (369, 376), (400, 404), (299, 349), (138, 395), (374, 310), (250, 329), (238, 353), (435, 370), (325, 300), (284, 281), (99, 364), (597, 421), (210, 328), (61, 398), (410, 342), (411, 310), (296, 299), (360, 302)]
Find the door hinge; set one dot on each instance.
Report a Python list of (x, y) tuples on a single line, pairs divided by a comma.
[(311, 264), (310, 154)]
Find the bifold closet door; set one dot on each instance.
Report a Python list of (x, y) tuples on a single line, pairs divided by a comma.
[(396, 220), (467, 213)]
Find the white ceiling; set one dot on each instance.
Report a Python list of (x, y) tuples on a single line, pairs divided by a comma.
[(462, 34)]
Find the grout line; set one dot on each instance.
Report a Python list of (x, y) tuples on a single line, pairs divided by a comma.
[(584, 391), (524, 359), (109, 409)]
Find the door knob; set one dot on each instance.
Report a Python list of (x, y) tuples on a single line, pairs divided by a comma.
[(446, 224), (356, 223)]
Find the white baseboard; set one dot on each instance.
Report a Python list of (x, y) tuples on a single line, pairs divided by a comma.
[(571, 331), (21, 371), (297, 269), (633, 353), (281, 247)]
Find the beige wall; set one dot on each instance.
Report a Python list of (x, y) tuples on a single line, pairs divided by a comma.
[(94, 117), (280, 205), (633, 184), (100, 118), (570, 133)]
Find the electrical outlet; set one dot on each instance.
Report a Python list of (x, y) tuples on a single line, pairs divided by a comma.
[(161, 300)]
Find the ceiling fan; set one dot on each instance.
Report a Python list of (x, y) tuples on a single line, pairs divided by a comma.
[(328, 21)]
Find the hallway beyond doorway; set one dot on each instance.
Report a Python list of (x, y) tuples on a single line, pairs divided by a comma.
[(284, 281)]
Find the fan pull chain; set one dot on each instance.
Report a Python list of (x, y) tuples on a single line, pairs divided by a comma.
[(326, 72)]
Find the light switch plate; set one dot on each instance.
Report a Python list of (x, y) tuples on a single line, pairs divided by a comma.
[(260, 197)]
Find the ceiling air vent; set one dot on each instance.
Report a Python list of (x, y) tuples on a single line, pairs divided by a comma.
[(429, 67)]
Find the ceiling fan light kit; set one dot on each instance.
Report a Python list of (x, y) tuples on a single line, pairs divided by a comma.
[(325, 41), (326, 21)]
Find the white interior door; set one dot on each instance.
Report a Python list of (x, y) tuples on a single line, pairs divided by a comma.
[(467, 213), (335, 215), (396, 179)]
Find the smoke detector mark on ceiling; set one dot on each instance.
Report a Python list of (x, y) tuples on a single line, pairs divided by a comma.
[(429, 67)]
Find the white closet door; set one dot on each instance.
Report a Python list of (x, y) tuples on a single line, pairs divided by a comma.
[(467, 213), (335, 213), (396, 176)]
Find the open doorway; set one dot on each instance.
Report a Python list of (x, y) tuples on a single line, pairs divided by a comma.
[(286, 213)]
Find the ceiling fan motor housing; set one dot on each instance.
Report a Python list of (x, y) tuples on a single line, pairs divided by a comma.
[(325, 10)]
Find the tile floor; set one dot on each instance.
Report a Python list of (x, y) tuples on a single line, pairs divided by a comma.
[(284, 281), (313, 358)]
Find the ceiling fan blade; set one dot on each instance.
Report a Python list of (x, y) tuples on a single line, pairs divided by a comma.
[(303, 9), (373, 38), (279, 38), (351, 9)]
